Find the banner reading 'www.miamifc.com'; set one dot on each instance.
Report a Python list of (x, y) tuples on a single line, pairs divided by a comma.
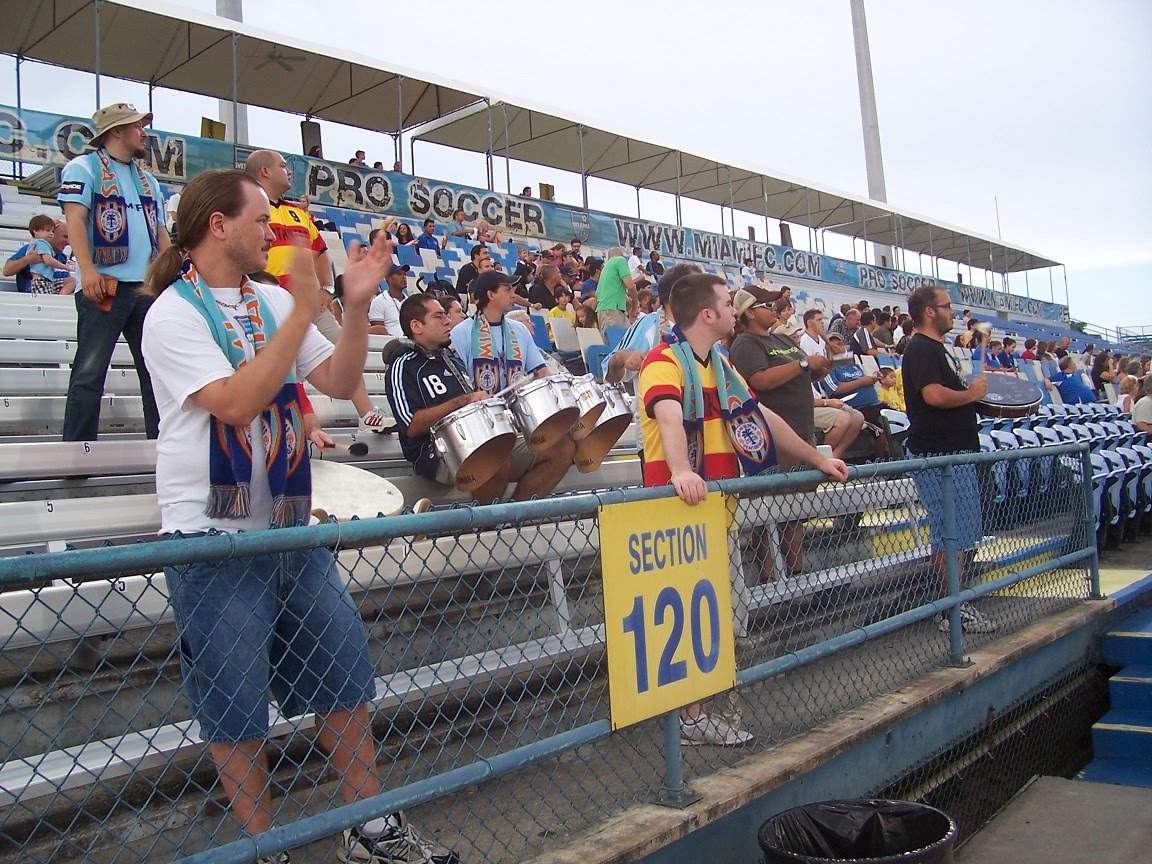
[(53, 139)]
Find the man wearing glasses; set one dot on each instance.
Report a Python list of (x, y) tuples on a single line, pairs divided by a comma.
[(942, 417)]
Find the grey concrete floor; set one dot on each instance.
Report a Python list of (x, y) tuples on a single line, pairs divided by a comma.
[(1057, 821)]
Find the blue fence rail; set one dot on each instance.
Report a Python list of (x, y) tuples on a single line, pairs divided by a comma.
[(487, 634)]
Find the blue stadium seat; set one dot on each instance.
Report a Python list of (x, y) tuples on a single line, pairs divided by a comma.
[(614, 335), (408, 255), (540, 334), (594, 359)]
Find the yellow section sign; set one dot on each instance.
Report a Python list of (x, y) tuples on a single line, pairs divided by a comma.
[(667, 605)]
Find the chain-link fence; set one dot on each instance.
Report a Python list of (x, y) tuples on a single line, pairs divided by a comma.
[(486, 680)]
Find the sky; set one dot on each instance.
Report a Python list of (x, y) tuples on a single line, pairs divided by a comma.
[(1040, 108)]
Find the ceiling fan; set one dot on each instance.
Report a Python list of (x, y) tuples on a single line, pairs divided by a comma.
[(284, 61)]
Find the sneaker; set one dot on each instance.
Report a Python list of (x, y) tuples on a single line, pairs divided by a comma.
[(282, 858), (706, 729), (373, 421), (397, 845), (972, 620)]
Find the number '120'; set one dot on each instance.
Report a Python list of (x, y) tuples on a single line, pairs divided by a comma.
[(668, 601)]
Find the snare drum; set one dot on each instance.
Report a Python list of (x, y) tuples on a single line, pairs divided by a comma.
[(613, 423), (546, 410), (590, 397), (474, 441), (1008, 396)]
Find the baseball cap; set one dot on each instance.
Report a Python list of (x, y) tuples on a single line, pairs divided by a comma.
[(788, 328), (111, 116), (398, 268), (834, 337), (533, 250), (489, 280), (750, 295)]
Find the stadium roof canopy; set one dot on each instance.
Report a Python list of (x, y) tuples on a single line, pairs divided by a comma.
[(181, 49), (538, 136)]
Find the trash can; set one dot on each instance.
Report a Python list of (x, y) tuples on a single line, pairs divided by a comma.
[(859, 831)]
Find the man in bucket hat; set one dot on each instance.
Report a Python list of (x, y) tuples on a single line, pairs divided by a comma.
[(115, 215)]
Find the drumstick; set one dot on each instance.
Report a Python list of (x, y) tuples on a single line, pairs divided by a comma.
[(520, 382), (356, 448)]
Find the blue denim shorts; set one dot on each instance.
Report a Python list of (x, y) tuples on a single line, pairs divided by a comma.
[(281, 622), (966, 495)]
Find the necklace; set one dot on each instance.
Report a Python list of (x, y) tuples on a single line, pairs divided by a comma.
[(228, 305)]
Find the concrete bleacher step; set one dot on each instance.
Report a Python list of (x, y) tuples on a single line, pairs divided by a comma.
[(1130, 642), (1131, 688), (1124, 735), (1119, 773)]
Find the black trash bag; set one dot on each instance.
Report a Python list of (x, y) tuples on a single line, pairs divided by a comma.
[(863, 830)]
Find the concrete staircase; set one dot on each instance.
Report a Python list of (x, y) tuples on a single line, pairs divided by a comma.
[(1122, 738)]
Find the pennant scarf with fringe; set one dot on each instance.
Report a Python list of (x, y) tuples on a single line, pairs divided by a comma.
[(744, 423), (281, 422)]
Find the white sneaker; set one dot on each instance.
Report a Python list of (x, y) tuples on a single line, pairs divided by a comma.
[(706, 729), (282, 858), (399, 844), (373, 421), (972, 620)]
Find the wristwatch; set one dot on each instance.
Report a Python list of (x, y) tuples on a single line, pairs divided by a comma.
[(804, 364)]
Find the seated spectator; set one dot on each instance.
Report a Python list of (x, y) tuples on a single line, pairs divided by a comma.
[(882, 335), (49, 274), (471, 270), (586, 315), (1101, 373), (1007, 355), (377, 166), (574, 250), (965, 339), (457, 228), (1070, 383), (593, 267), (430, 381), (1128, 391), (1142, 410), (428, 238), (563, 307), (542, 294), (891, 389), (748, 272), (404, 236), (1088, 355), (486, 234), (384, 312), (526, 192), (982, 356), (646, 301), (654, 268), (848, 378), (1029, 350), (19, 263), (862, 342), (635, 265)]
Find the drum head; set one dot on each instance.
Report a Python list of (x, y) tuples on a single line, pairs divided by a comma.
[(549, 433), (483, 463), (592, 450), (590, 397), (345, 491)]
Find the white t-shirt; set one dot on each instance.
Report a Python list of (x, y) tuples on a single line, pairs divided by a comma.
[(1142, 411), (635, 266), (748, 274), (386, 309), (183, 358), (170, 208), (812, 346)]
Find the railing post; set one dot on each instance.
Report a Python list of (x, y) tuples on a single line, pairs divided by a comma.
[(951, 566), (674, 793), (1089, 522)]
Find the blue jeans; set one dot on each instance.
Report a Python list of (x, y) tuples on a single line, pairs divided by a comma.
[(96, 335), (281, 622), (966, 498)]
